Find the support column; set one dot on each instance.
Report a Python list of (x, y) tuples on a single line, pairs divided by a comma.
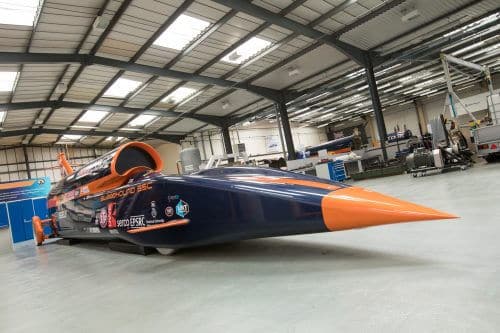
[(282, 141), (287, 131), (227, 140), (203, 146), (28, 170), (422, 119), (210, 143), (377, 107)]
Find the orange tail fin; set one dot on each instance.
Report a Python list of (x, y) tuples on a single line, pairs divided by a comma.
[(63, 162)]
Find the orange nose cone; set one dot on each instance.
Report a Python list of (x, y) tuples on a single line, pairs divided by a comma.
[(354, 207)]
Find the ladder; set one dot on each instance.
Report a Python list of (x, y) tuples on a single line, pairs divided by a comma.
[(493, 101)]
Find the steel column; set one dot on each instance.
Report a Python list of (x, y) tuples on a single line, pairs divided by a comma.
[(28, 170), (280, 131), (287, 131), (226, 140), (377, 107)]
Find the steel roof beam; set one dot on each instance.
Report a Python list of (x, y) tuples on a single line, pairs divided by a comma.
[(125, 134), (87, 60), (183, 7), (213, 120), (368, 16), (247, 37), (64, 72), (349, 50)]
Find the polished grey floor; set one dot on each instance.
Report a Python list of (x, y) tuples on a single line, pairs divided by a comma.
[(441, 276)]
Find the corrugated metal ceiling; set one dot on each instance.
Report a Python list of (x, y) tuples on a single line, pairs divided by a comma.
[(63, 26)]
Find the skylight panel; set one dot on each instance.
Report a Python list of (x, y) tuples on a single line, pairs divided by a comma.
[(178, 95), (7, 80), (142, 120), (113, 138), (121, 88), (180, 33), (92, 116), (247, 50), (71, 137), (18, 12)]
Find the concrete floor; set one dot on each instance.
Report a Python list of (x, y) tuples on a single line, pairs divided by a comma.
[(441, 276)]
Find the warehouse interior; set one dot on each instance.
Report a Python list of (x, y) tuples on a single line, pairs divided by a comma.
[(400, 97)]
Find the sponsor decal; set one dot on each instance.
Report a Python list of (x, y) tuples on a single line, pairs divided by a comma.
[(113, 231), (173, 197), (182, 208), (70, 195), (144, 187), (155, 221), (111, 215), (84, 189), (125, 192), (154, 213), (169, 211), (136, 221), (103, 217)]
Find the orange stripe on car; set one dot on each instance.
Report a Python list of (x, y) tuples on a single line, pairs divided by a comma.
[(288, 181)]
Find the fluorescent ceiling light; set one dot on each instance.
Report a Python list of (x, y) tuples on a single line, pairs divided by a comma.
[(121, 88), (71, 137), (385, 70), (7, 79), (356, 73), (393, 88), (180, 33), (2, 116), (92, 116), (319, 96), (468, 48), (178, 95), (142, 120), (18, 12), (247, 50), (474, 25)]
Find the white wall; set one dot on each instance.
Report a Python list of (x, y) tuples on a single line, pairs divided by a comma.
[(256, 138), (403, 115), (42, 161)]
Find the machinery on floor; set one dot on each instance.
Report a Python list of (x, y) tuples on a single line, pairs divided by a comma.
[(445, 150), (486, 133), (122, 195)]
